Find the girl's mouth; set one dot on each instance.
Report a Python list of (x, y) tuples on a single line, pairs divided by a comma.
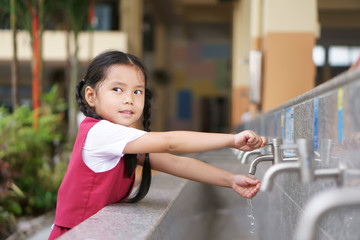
[(127, 112)]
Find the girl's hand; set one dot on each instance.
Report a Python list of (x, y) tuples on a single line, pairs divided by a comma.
[(245, 186), (248, 140)]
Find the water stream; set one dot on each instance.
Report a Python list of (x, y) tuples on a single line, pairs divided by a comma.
[(251, 216), (251, 213)]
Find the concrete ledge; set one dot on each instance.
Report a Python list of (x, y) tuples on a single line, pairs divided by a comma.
[(132, 221), (174, 209)]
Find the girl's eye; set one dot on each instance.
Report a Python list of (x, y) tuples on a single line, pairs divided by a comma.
[(137, 91), (117, 89)]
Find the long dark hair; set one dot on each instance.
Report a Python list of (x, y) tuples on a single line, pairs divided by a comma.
[(96, 73)]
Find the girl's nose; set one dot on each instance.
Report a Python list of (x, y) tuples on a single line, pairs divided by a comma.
[(128, 99)]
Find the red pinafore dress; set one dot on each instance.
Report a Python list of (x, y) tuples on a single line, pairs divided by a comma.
[(84, 192)]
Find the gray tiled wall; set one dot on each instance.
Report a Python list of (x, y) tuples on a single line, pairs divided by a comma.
[(329, 116)]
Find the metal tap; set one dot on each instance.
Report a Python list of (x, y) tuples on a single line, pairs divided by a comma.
[(246, 155), (263, 151), (306, 156), (275, 170), (276, 150), (257, 160), (336, 173), (308, 171), (238, 153), (275, 157), (324, 202), (304, 165)]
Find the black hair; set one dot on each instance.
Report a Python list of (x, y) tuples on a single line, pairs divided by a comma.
[(96, 73)]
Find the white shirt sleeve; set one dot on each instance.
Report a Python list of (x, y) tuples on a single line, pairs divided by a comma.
[(105, 143)]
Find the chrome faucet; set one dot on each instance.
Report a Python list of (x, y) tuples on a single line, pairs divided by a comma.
[(257, 160), (276, 150), (238, 153), (262, 158), (246, 155), (308, 171), (260, 151), (336, 173), (324, 202), (304, 165), (275, 170), (275, 157)]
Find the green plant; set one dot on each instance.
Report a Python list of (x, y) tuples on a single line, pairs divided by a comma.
[(29, 154)]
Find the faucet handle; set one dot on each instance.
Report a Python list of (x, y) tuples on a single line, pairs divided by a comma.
[(277, 152), (306, 157), (276, 142), (246, 155)]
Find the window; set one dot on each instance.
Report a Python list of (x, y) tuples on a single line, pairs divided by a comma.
[(340, 56), (355, 54), (319, 56)]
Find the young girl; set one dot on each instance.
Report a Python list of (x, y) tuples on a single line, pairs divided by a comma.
[(114, 96)]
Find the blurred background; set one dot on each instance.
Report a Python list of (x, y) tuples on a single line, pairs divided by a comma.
[(213, 65)]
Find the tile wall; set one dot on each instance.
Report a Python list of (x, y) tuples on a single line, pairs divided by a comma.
[(329, 116)]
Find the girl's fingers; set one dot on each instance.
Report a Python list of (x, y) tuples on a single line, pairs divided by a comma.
[(263, 139), (255, 140), (260, 142), (249, 140), (246, 186), (252, 181)]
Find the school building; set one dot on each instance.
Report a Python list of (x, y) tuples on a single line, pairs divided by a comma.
[(212, 62)]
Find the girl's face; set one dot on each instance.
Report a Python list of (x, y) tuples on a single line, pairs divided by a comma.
[(120, 97)]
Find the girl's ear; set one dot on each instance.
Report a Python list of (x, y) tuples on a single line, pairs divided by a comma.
[(90, 96)]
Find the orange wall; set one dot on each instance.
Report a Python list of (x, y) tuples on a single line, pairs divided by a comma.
[(240, 104), (288, 67)]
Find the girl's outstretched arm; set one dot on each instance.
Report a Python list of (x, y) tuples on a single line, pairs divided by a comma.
[(192, 169), (190, 142)]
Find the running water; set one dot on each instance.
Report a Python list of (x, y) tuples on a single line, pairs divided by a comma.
[(251, 213), (251, 216)]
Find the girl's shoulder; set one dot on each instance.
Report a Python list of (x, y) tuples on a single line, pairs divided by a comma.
[(106, 132)]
